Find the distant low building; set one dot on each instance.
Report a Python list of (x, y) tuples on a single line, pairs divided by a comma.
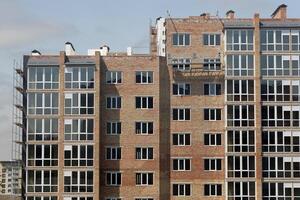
[(10, 178)]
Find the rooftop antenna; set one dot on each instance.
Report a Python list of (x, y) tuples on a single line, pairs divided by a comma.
[(217, 13), (169, 15)]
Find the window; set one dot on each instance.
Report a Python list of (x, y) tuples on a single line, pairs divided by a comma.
[(211, 39), (181, 89), (113, 153), (212, 89), (212, 114), (280, 116), (42, 155), (42, 129), (241, 190), (281, 190), (79, 155), (241, 166), (181, 139), (114, 128), (42, 181), (240, 115), (78, 198), (40, 197), (181, 39), (78, 181), (144, 178), (79, 103), (144, 153), (79, 129), (181, 64), (113, 77), (144, 128), (240, 90), (144, 102), (113, 178), (295, 40), (274, 40), (181, 164), (79, 77), (240, 141), (113, 102), (212, 164), (144, 198), (279, 167), (212, 64), (113, 198), (144, 77), (43, 77), (277, 65), (181, 189), (42, 103), (212, 139), (280, 141), (181, 114), (239, 40), (212, 189), (239, 65)]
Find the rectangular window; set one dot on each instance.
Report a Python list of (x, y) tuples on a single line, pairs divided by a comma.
[(144, 153), (240, 115), (79, 129), (181, 189), (240, 141), (280, 116), (212, 89), (280, 190), (181, 139), (40, 181), (43, 78), (181, 114), (278, 65), (212, 139), (181, 164), (113, 153), (113, 128), (212, 64), (144, 128), (181, 64), (212, 164), (212, 114), (144, 102), (212, 189), (114, 102), (78, 155), (42, 103), (144, 178), (181, 89), (113, 77), (241, 166), (113, 178), (79, 77), (279, 90), (113, 198), (42, 129), (239, 40), (239, 65), (181, 39), (78, 181), (144, 198), (240, 90), (144, 77), (281, 167), (42, 155), (241, 190), (275, 40), (79, 103), (211, 39)]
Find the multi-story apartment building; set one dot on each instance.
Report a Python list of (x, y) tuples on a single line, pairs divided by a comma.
[(10, 178), (212, 112)]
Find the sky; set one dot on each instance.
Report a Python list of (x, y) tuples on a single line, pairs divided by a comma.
[(46, 25)]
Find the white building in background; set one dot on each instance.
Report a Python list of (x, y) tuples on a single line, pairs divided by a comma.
[(10, 178)]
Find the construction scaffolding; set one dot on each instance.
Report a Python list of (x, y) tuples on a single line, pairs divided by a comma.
[(18, 113)]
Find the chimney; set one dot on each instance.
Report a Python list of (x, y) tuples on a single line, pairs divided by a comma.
[(280, 12), (104, 50), (230, 14), (129, 51), (205, 15), (69, 49), (35, 53)]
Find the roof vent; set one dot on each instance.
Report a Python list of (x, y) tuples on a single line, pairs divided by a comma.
[(205, 15), (280, 12), (35, 53), (104, 50), (230, 14), (69, 49)]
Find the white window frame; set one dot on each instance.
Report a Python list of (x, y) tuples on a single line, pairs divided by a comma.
[(212, 89), (144, 175), (112, 127), (116, 77), (142, 151), (83, 75), (181, 164), (183, 89), (183, 137), (149, 76), (115, 102), (113, 176), (142, 105), (117, 150), (77, 135), (184, 112), (144, 127)]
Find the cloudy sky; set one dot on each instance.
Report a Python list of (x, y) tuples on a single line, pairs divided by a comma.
[(47, 25)]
